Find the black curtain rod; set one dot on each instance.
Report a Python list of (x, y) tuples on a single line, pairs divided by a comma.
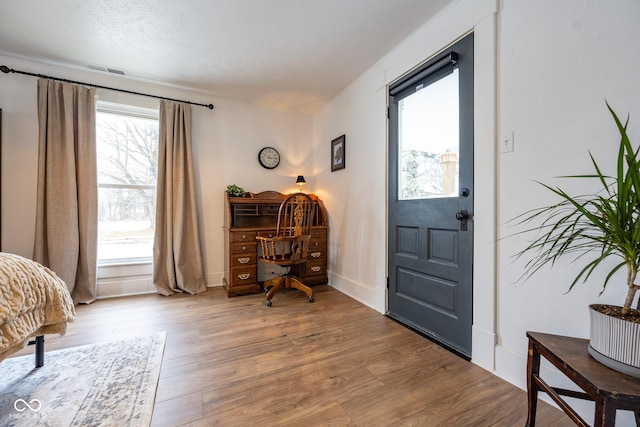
[(8, 70)]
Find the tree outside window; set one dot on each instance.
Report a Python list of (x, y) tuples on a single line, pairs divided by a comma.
[(127, 153)]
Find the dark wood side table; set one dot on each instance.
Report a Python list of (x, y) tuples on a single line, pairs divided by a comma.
[(609, 389)]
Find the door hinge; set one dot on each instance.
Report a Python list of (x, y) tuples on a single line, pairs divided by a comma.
[(387, 282)]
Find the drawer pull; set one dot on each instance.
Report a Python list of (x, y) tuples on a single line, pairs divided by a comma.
[(244, 248), (316, 269), (244, 237), (315, 254), (244, 260), (244, 276)]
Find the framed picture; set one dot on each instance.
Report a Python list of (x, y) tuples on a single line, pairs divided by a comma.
[(337, 153)]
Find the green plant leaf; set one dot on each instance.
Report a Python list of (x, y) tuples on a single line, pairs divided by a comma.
[(593, 227)]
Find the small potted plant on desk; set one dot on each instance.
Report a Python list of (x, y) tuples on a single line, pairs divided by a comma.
[(599, 227), (235, 191)]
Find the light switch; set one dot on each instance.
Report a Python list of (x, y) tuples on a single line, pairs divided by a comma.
[(506, 143)]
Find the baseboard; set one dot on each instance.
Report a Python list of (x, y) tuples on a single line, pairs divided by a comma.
[(214, 278), (358, 291), (483, 348), (511, 366), (124, 286), (111, 287)]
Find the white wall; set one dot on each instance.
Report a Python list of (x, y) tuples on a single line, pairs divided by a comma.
[(543, 70), (226, 142), (559, 61)]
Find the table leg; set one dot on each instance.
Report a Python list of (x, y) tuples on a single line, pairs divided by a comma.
[(533, 370), (605, 415)]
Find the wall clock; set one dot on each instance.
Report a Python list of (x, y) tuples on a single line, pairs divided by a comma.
[(269, 157)]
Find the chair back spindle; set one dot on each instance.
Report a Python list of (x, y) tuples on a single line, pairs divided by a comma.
[(295, 215)]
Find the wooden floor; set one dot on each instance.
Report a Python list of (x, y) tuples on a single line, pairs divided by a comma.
[(236, 362)]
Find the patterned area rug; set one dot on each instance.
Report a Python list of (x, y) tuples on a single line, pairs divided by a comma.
[(108, 384)]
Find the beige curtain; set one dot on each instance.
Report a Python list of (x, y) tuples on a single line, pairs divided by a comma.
[(177, 258), (66, 211)]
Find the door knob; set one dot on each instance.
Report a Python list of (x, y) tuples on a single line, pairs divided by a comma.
[(462, 216)]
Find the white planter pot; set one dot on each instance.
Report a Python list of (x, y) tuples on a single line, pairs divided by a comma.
[(615, 342)]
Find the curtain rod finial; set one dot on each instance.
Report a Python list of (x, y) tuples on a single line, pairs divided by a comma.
[(5, 69), (210, 106)]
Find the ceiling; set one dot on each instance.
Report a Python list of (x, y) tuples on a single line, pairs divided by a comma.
[(287, 54)]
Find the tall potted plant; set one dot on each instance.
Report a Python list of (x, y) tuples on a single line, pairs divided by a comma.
[(596, 228)]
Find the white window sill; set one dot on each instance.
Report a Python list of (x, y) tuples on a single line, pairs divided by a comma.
[(124, 268)]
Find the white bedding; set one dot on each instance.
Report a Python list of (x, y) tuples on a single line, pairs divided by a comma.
[(33, 301)]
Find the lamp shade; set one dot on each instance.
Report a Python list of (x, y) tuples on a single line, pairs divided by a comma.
[(300, 180)]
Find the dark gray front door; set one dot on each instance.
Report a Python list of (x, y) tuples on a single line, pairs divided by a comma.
[(431, 198)]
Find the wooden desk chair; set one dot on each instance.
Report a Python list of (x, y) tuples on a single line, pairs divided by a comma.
[(290, 244)]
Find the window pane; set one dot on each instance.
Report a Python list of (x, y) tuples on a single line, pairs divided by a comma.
[(127, 149), (125, 223), (127, 152), (428, 139)]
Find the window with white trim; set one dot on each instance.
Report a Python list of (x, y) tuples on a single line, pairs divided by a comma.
[(127, 159)]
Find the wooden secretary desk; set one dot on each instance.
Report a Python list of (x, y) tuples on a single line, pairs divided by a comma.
[(257, 215)]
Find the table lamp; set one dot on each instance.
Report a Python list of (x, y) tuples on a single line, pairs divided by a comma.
[(300, 182)]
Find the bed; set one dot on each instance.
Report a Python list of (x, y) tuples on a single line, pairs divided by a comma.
[(34, 301)]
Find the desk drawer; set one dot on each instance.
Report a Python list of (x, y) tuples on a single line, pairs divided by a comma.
[(243, 275), (312, 273), (317, 250), (240, 260), (244, 248), (242, 236), (319, 235), (317, 253), (316, 268)]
